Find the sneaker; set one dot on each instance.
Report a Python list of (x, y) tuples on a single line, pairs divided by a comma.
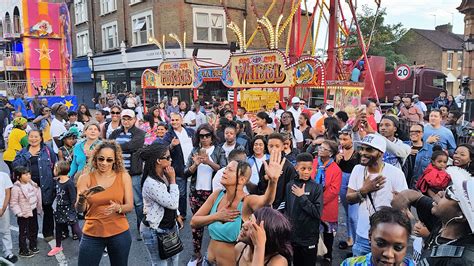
[(194, 261), (35, 250), (26, 254), (55, 251), (75, 237), (12, 258)]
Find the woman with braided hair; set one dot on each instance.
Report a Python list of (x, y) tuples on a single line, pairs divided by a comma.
[(160, 200), (226, 210)]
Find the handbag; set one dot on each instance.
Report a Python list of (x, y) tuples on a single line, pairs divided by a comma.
[(169, 244), (322, 249)]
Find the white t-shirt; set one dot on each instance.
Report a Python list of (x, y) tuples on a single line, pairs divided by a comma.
[(186, 143), (57, 128), (204, 173), (200, 119), (189, 117), (296, 113), (395, 181), (297, 137), (216, 181), (314, 118), (5, 183), (256, 166), (228, 149)]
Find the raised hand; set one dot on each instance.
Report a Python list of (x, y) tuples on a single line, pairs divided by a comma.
[(273, 169)]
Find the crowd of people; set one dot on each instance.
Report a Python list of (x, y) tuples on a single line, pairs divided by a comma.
[(266, 185)]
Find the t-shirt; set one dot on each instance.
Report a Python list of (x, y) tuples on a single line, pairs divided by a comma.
[(5, 183), (200, 119), (395, 181), (189, 117), (57, 128), (296, 113), (186, 143), (123, 138), (257, 164), (446, 138), (228, 149), (204, 173), (20, 106)]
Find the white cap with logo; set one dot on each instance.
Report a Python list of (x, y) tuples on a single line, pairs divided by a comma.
[(128, 112), (375, 141)]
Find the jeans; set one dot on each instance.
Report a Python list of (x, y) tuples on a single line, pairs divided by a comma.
[(48, 220), (361, 246), (352, 210), (5, 233), (28, 229), (183, 191), (137, 198), (150, 239), (118, 247)]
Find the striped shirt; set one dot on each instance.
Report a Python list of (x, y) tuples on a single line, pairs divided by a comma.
[(121, 139)]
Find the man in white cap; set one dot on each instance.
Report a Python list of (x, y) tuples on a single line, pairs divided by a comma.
[(449, 218), (371, 185), (295, 108), (58, 125), (421, 105)]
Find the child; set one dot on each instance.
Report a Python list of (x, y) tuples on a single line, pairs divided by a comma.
[(5, 233), (288, 150), (26, 205), (68, 138), (65, 213), (303, 208), (434, 177)]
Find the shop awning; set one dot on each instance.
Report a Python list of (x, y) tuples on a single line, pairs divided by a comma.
[(81, 71)]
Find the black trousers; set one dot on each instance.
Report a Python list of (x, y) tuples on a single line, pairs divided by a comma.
[(28, 229), (305, 256), (48, 220)]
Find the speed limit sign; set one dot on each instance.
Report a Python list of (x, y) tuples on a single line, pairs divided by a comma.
[(402, 72)]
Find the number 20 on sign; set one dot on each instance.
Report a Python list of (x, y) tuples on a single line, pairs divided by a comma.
[(402, 72)]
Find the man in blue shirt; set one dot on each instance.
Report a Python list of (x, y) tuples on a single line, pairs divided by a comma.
[(439, 101), (20, 105), (444, 136)]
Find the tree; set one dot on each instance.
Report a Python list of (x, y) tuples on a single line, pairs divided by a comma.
[(383, 40)]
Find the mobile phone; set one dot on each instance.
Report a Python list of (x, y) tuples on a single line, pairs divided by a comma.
[(363, 108)]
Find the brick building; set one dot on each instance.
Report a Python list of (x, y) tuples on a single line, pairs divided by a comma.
[(111, 37), (440, 49)]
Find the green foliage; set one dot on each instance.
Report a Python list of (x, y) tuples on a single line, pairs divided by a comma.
[(384, 37)]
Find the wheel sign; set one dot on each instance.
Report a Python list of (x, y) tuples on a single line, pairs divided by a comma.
[(402, 72)]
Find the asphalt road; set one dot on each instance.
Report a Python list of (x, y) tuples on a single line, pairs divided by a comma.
[(138, 254)]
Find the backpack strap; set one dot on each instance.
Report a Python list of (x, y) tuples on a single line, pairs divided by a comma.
[(449, 251)]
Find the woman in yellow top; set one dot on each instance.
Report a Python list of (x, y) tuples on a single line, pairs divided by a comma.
[(16, 141)]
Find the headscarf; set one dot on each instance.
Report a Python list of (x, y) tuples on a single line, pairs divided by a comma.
[(19, 122)]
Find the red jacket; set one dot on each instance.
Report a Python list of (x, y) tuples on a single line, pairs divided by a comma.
[(433, 179), (331, 190)]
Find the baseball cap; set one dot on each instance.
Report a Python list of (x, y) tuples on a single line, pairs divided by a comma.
[(415, 96), (295, 100), (463, 188), (127, 112), (374, 141), (329, 107)]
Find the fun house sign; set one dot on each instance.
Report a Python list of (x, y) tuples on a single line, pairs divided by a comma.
[(257, 70), (177, 74)]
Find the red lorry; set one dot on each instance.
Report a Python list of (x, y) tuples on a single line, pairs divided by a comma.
[(425, 82)]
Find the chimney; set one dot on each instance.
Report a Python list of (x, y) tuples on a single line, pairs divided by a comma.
[(446, 28)]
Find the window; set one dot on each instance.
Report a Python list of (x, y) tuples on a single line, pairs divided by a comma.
[(8, 24), (107, 6), (109, 36), (460, 59), (450, 59), (1, 29), (82, 42), (135, 1), (142, 28), (209, 25), (80, 10)]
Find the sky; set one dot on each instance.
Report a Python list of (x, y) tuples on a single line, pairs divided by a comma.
[(421, 14)]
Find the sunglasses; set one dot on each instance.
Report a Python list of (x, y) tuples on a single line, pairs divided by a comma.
[(202, 136), (115, 113), (168, 158), (366, 149), (449, 194), (102, 159)]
